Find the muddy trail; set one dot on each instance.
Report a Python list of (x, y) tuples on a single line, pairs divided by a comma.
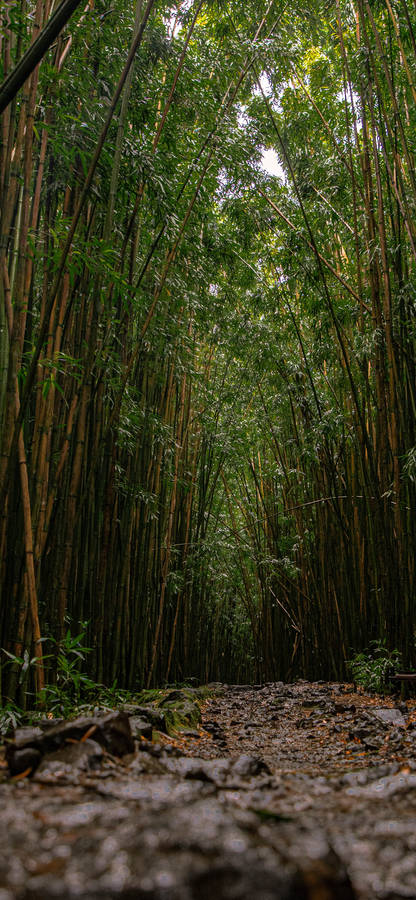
[(279, 792)]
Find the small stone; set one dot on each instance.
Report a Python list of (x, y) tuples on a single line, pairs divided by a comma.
[(26, 735), (179, 696), (25, 758), (140, 728), (149, 713), (46, 724), (250, 765), (171, 750), (344, 707), (79, 757), (152, 749)]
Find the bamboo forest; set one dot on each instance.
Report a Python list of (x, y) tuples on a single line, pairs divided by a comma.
[(207, 339)]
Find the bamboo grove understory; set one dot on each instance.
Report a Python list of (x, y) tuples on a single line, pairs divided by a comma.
[(207, 337)]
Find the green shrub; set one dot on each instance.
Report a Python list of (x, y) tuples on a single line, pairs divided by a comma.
[(372, 667)]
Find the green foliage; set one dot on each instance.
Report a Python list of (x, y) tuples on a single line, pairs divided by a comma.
[(72, 684), (11, 716), (204, 355), (372, 668), (23, 663)]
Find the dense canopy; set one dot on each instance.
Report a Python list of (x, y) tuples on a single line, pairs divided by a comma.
[(208, 339)]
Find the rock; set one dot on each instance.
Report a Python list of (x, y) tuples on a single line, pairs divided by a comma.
[(110, 730), (180, 714), (180, 696), (386, 788), (140, 728), (68, 760), (46, 724), (212, 726), (23, 759), (193, 849), (153, 749), (27, 734), (222, 772), (171, 750), (149, 713), (370, 738), (396, 737), (250, 765), (389, 716), (344, 707), (238, 688), (212, 771)]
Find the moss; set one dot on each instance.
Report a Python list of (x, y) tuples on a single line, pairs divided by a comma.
[(180, 706), (148, 696), (181, 715)]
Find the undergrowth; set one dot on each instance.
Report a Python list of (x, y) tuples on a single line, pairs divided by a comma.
[(372, 668), (71, 691)]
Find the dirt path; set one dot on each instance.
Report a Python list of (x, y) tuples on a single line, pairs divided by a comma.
[(286, 792), (341, 761)]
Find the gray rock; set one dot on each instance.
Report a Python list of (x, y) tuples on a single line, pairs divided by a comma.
[(27, 734), (342, 707), (180, 696), (110, 730), (71, 759), (192, 850), (386, 788), (23, 759), (249, 765), (150, 713), (46, 724), (370, 730), (214, 771), (389, 716), (140, 728)]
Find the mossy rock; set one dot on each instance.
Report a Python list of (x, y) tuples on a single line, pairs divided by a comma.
[(186, 693), (148, 696), (180, 695), (179, 716), (179, 707), (152, 714)]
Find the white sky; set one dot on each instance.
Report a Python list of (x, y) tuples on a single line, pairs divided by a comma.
[(271, 164)]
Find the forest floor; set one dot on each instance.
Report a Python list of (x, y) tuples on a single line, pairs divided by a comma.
[(283, 792)]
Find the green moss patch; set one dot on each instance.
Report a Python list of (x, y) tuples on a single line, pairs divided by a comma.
[(181, 715), (180, 706)]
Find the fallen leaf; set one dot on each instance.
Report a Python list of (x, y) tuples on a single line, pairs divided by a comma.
[(22, 775), (88, 733)]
